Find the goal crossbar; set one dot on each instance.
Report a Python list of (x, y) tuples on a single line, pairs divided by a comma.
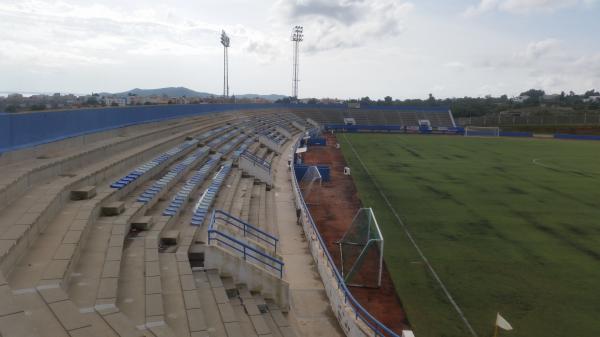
[(482, 131)]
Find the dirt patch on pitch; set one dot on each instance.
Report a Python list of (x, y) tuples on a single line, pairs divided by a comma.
[(338, 203)]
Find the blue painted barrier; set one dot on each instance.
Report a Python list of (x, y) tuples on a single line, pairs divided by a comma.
[(319, 141), (300, 169), (392, 128), (577, 137), (22, 130), (515, 134)]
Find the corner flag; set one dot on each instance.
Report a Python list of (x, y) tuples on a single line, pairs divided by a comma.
[(502, 323)]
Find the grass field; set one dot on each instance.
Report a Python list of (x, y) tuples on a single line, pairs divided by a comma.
[(510, 225)]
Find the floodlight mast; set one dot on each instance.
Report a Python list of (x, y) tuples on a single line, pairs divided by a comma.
[(225, 43), (297, 37)]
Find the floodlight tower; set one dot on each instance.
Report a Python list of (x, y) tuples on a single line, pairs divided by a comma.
[(225, 43), (297, 37)]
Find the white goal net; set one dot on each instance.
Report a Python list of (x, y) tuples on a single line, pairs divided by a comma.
[(310, 185), (482, 131), (361, 251)]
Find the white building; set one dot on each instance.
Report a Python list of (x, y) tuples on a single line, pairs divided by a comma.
[(592, 99), (520, 99), (120, 101)]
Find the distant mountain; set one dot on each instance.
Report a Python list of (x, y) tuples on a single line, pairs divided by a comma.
[(181, 91), (170, 91)]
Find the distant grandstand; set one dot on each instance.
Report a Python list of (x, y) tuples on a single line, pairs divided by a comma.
[(380, 115)]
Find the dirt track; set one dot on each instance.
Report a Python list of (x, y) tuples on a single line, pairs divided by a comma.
[(338, 203)]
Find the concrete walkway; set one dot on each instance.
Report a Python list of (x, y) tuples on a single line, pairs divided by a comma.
[(310, 311)]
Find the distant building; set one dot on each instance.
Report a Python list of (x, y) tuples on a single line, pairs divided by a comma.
[(592, 99), (551, 98), (520, 99), (110, 101)]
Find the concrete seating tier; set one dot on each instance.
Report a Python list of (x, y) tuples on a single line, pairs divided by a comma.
[(21, 224), (229, 146), (182, 197), (378, 117), (141, 170), (243, 147), (207, 198), (158, 188), (118, 281), (31, 167), (218, 141)]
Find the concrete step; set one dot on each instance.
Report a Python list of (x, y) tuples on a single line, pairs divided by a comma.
[(232, 192), (261, 152), (226, 194), (254, 211), (270, 213), (262, 221), (246, 196)]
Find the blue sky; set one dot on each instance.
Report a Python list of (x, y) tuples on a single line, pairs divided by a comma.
[(352, 48)]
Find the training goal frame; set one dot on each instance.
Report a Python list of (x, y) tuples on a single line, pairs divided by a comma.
[(310, 185), (482, 131), (361, 251)]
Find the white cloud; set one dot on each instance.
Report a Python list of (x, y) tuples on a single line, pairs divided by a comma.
[(547, 65), (456, 65), (333, 24), (522, 6), (62, 34)]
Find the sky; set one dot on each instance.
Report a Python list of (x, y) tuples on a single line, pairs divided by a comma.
[(351, 48)]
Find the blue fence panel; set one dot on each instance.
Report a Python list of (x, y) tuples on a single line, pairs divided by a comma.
[(300, 169), (515, 134), (577, 137), (22, 130), (4, 131), (319, 141)]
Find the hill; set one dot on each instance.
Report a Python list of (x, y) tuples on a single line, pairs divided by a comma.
[(182, 91)]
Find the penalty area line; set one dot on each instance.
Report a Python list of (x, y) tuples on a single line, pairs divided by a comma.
[(414, 243)]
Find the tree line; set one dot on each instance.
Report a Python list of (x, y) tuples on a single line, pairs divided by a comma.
[(479, 106)]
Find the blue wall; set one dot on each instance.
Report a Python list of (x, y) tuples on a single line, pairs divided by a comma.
[(29, 129), (23, 130), (577, 137)]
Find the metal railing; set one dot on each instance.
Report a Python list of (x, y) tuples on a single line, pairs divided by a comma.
[(378, 328), (257, 160), (246, 228), (247, 252)]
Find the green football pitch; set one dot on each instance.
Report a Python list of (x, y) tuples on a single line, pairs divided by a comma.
[(508, 225)]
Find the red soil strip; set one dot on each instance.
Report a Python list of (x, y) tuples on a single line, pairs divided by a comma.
[(338, 203)]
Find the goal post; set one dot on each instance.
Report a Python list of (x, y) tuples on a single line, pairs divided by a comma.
[(361, 251), (310, 185), (482, 131)]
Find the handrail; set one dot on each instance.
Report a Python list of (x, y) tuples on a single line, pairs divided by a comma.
[(245, 227), (242, 247), (360, 311), (255, 159)]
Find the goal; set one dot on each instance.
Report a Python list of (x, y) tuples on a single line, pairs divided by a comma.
[(361, 251), (482, 131), (310, 185)]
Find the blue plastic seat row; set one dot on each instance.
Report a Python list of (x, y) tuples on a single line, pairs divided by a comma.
[(229, 145), (245, 145), (205, 202), (183, 194), (223, 138), (211, 132), (172, 174), (138, 172)]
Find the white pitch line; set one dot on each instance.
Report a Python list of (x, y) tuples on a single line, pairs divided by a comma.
[(536, 161), (414, 243)]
